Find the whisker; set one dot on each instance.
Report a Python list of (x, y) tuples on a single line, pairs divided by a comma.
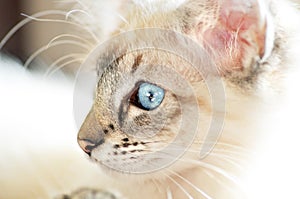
[(233, 149), (36, 18), (169, 193), (63, 65), (25, 21), (230, 160), (207, 166), (82, 5), (78, 10), (157, 186), (217, 180), (44, 48), (227, 158), (230, 152), (179, 186), (191, 184), (215, 169), (225, 144), (89, 44), (234, 158), (54, 64), (224, 152), (122, 18)]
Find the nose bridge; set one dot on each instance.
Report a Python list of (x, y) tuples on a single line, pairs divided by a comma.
[(90, 133)]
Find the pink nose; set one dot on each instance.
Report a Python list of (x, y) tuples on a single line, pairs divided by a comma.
[(86, 145)]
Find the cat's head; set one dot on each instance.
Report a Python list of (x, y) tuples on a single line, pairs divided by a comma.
[(146, 109), (151, 104)]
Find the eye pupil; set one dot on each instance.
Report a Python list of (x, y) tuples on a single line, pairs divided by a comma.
[(150, 96)]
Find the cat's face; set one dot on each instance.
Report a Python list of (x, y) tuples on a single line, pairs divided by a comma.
[(146, 111), (147, 101)]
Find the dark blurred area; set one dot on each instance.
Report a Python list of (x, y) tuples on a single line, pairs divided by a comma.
[(33, 36), (9, 16)]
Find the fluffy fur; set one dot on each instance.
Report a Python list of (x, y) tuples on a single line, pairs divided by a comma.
[(259, 124)]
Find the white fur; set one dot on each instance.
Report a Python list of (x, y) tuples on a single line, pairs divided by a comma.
[(40, 157)]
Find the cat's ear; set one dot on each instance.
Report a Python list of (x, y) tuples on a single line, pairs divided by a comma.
[(233, 31)]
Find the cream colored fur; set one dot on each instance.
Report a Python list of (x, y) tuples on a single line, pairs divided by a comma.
[(41, 159)]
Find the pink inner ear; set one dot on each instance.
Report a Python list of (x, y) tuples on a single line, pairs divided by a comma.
[(241, 14), (240, 29)]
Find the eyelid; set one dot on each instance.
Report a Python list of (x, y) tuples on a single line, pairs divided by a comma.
[(134, 98)]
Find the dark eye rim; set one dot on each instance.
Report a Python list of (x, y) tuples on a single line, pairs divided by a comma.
[(134, 99)]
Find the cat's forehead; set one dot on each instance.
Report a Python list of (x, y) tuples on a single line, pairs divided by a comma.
[(155, 62)]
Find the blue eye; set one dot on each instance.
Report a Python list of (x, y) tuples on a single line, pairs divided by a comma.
[(149, 96)]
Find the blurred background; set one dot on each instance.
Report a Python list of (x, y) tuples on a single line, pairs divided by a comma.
[(35, 34), (21, 43), (8, 17)]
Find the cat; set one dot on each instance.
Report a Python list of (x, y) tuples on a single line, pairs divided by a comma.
[(150, 125)]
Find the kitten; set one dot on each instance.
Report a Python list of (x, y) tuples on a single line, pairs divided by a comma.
[(154, 137), (250, 47)]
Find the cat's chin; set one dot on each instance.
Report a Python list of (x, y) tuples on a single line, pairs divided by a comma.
[(159, 174), (119, 171), (129, 177)]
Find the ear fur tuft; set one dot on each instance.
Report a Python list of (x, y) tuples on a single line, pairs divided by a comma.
[(235, 36)]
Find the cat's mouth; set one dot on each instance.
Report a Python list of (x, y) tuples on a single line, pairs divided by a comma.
[(123, 158), (133, 157)]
